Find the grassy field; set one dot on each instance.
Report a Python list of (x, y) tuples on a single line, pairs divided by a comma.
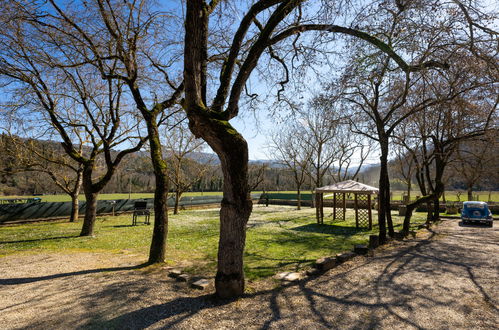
[(484, 196), (278, 238), (396, 196), (66, 198)]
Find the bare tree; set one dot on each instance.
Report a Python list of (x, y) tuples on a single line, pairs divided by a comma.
[(130, 50), (377, 84), (42, 73), (404, 165), (474, 160), (352, 150), (43, 157), (437, 131), (287, 147), (180, 145), (211, 102)]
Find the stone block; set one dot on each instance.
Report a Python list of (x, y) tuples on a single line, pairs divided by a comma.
[(326, 263), (289, 276), (345, 256), (361, 249), (182, 278), (200, 284), (313, 272), (373, 241), (174, 273)]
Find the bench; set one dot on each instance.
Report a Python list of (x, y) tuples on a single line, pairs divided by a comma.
[(140, 208)]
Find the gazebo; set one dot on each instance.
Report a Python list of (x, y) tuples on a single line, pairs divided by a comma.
[(362, 201)]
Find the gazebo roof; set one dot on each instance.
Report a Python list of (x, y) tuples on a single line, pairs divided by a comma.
[(348, 186)]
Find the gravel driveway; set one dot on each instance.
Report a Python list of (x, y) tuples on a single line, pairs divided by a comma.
[(447, 279)]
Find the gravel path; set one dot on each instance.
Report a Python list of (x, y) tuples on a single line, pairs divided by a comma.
[(447, 279)]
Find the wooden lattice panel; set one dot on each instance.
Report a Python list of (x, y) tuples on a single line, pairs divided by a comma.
[(363, 210), (338, 211)]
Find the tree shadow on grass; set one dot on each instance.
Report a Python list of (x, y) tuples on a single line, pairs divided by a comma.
[(23, 280), (296, 264), (39, 239), (330, 229)]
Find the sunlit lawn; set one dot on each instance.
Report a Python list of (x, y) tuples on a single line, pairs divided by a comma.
[(66, 198), (396, 195), (278, 238)]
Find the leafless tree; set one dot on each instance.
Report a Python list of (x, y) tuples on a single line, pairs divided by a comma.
[(180, 145), (438, 130), (286, 145), (377, 85), (124, 43), (403, 165), (40, 71), (352, 150), (41, 157), (476, 160), (212, 99)]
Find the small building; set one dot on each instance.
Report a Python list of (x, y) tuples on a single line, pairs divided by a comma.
[(362, 201)]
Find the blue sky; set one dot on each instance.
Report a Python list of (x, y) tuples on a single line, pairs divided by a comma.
[(255, 136)]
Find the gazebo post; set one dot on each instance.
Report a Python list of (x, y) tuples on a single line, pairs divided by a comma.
[(334, 206), (356, 206), (369, 212), (322, 208), (344, 206)]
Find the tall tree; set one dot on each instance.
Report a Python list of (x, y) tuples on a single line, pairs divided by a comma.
[(404, 165), (41, 71), (287, 147), (130, 44), (37, 156), (475, 160), (210, 104), (180, 146), (438, 130), (377, 84)]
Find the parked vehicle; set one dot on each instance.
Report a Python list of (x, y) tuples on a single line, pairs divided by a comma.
[(474, 211)]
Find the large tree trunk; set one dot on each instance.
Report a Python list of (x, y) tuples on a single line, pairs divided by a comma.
[(90, 213), (74, 208), (75, 194), (298, 197), (469, 190), (177, 200), (236, 206), (409, 186), (410, 209), (91, 202), (384, 213), (157, 251), (439, 187)]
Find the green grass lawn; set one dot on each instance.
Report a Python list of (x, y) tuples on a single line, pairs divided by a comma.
[(449, 195), (453, 196), (278, 238), (396, 195), (66, 198)]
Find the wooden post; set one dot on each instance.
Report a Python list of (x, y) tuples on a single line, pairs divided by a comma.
[(322, 208), (344, 206), (334, 206), (369, 212), (356, 206)]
